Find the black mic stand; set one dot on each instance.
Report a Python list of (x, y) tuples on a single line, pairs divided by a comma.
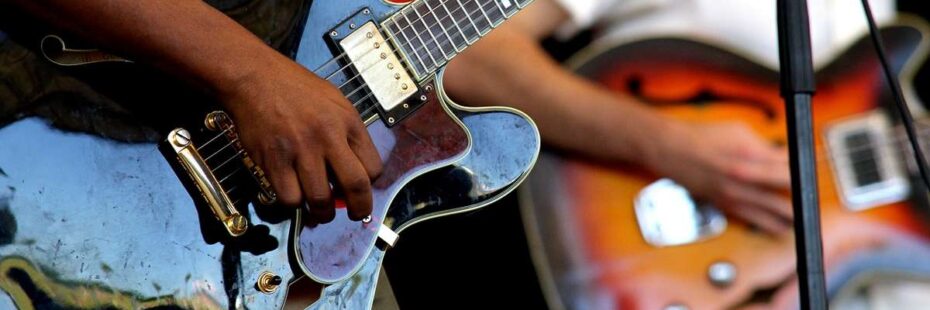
[(797, 88)]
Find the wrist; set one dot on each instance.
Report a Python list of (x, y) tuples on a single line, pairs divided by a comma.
[(661, 138), (235, 80)]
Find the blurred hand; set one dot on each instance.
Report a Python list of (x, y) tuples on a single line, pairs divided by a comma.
[(730, 166), (296, 125)]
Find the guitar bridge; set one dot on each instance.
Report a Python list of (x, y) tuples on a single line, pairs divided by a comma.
[(209, 187), (209, 179), (219, 121)]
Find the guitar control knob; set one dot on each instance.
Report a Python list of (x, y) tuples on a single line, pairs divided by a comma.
[(268, 282), (722, 274)]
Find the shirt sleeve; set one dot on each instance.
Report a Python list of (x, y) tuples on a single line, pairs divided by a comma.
[(581, 14)]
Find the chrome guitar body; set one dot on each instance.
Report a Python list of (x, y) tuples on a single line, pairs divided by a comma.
[(89, 222)]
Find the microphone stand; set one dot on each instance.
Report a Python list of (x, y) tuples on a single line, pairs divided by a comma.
[(797, 89)]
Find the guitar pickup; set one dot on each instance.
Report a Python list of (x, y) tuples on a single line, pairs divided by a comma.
[(206, 183), (862, 154), (378, 66)]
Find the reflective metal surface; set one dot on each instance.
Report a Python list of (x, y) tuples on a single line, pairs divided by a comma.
[(668, 216), (428, 139), (505, 146), (356, 292), (87, 222), (863, 154), (452, 189), (110, 225)]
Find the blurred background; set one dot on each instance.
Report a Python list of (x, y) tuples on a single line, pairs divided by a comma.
[(481, 259)]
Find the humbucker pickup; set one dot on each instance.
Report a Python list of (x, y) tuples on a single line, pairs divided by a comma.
[(868, 174), (379, 66)]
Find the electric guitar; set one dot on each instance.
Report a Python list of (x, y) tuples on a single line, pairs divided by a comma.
[(88, 222), (608, 237)]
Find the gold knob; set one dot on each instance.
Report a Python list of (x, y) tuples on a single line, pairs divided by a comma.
[(237, 225), (268, 282)]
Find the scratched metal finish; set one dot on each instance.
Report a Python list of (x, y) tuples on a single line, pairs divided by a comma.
[(427, 140), (504, 148), (93, 223)]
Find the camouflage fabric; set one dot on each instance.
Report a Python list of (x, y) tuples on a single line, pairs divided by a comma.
[(32, 86)]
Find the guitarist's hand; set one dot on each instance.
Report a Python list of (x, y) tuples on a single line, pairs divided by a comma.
[(729, 165), (297, 127), (294, 124)]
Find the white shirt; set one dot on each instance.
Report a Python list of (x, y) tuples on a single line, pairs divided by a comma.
[(748, 27)]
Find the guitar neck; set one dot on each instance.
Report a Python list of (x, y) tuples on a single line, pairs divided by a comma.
[(429, 33)]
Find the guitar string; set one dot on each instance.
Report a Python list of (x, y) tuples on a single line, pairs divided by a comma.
[(231, 142), (447, 39), (428, 27), (357, 102), (436, 41), (363, 85), (345, 54), (822, 155), (893, 143)]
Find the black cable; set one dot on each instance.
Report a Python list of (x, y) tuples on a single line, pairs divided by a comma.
[(896, 91)]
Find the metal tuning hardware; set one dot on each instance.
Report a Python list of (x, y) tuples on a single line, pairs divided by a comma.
[(207, 184), (219, 121)]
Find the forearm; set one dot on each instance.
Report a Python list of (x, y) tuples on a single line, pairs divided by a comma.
[(510, 68), (185, 37)]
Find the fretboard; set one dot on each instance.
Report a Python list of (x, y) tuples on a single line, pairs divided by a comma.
[(428, 33)]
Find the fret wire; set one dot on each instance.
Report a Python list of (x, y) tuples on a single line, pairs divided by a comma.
[(452, 17), (468, 16), (421, 42), (443, 27), (415, 50), (489, 12), (401, 30), (461, 8), (485, 14), (498, 5), (345, 54), (415, 53), (430, 31)]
